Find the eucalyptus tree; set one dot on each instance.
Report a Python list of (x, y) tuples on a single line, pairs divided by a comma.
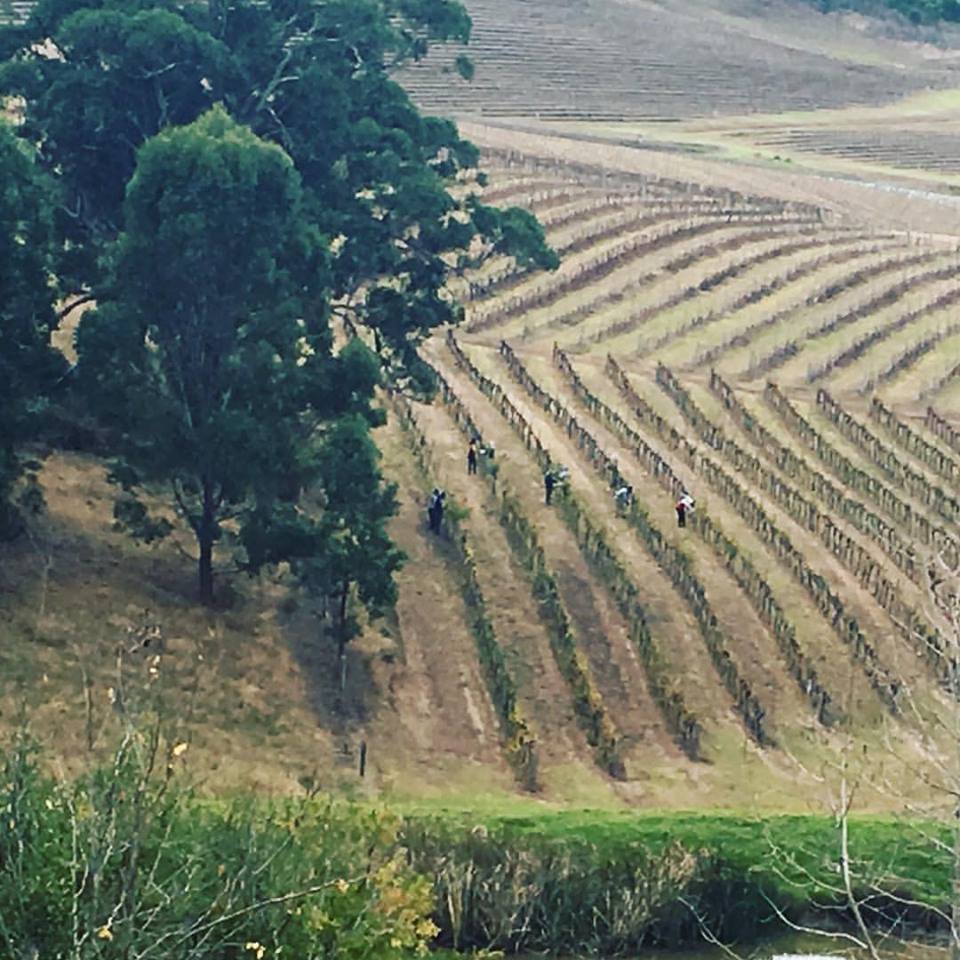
[(212, 361), (98, 78), (29, 367)]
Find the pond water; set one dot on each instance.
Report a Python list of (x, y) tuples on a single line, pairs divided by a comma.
[(790, 947)]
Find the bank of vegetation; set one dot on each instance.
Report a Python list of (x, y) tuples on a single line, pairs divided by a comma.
[(129, 861), (916, 11)]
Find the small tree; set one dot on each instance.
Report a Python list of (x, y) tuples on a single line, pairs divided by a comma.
[(28, 364), (212, 363), (336, 541), (354, 549)]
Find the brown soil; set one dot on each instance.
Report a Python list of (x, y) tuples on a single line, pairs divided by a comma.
[(601, 630), (543, 694), (435, 722)]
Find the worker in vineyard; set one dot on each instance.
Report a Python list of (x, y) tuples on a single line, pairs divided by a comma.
[(549, 482), (623, 498), (435, 509), (684, 506), (472, 457)]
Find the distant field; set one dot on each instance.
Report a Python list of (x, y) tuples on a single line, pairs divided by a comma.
[(622, 60)]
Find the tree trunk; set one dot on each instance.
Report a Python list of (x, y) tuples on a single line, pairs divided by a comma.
[(342, 634), (205, 537)]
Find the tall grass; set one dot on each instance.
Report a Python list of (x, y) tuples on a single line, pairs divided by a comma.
[(613, 883), (126, 862)]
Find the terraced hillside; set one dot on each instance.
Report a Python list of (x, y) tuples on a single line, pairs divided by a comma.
[(630, 60), (795, 369), (778, 362), (787, 350)]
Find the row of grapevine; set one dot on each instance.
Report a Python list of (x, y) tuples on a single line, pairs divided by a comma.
[(743, 335), (520, 743), (803, 241), (673, 561), (640, 284), (532, 190), (609, 569), (876, 334), (598, 230), (913, 443), (914, 482), (843, 623), (913, 352), (550, 289), (943, 429), (912, 624), (782, 352), (586, 219), (779, 354), (852, 476), (850, 553), (512, 160), (522, 536), (936, 384), (756, 588), (855, 512)]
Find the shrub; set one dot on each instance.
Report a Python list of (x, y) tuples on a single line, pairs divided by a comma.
[(128, 862)]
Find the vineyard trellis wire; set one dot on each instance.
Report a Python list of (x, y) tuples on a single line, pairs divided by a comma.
[(671, 559), (912, 624), (593, 541), (756, 588)]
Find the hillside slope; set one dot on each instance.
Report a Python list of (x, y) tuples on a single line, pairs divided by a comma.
[(633, 60)]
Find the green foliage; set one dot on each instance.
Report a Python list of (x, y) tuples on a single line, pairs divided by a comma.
[(227, 173), (311, 77), (126, 862), (916, 11), (28, 365), (354, 546), (212, 363), (566, 877)]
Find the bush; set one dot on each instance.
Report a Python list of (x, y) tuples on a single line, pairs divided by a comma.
[(127, 862)]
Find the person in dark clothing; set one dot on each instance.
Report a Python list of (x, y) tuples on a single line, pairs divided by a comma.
[(549, 482), (472, 457), (684, 506), (435, 510)]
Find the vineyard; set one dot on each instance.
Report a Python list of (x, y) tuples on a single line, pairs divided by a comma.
[(623, 61), (783, 346), (797, 372)]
